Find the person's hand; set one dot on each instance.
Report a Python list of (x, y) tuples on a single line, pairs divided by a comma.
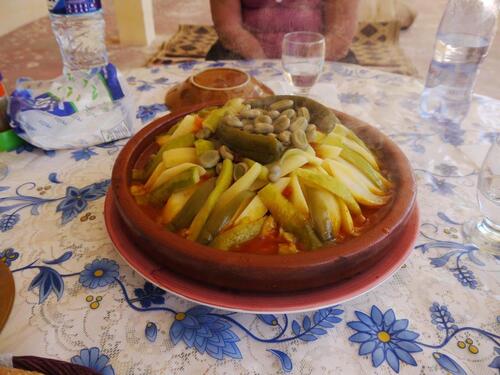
[(340, 27), (337, 47), (252, 51), (228, 23)]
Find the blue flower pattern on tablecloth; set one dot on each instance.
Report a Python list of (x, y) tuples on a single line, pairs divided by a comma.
[(495, 364), (451, 133), (490, 136), (457, 252), (8, 256), (353, 98), (150, 295), (446, 169), (83, 154), (8, 221), (47, 281), (99, 273), (441, 318), (187, 65), (148, 112), (206, 332), (151, 331), (70, 205), (449, 364), (76, 200), (377, 335), (385, 338), (93, 359), (25, 147), (380, 335), (440, 186)]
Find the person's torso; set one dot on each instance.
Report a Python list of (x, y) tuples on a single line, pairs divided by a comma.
[(270, 20)]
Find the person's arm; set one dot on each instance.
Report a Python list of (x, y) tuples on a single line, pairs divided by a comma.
[(228, 23), (340, 18)]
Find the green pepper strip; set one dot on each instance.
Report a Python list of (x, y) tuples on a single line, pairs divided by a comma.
[(173, 129), (202, 145), (184, 218), (185, 140), (169, 131), (319, 214), (160, 195), (364, 166), (213, 119), (221, 216), (289, 218), (223, 181), (238, 234), (261, 148), (331, 184)]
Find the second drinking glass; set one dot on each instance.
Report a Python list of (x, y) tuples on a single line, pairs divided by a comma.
[(303, 56), (484, 232)]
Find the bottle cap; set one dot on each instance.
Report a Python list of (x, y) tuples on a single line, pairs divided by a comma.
[(56, 6), (73, 6), (9, 140)]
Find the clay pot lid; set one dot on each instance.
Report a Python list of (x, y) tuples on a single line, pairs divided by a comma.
[(220, 79), (214, 85)]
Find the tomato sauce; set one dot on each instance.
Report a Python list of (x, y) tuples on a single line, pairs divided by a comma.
[(287, 192), (260, 245), (269, 244)]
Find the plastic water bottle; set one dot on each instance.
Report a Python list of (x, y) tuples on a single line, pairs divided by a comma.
[(464, 36), (78, 26), (89, 103)]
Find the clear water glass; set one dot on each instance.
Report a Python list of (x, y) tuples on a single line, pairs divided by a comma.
[(484, 232), (303, 57)]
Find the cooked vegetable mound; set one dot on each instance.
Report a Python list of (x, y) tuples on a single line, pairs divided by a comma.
[(274, 175)]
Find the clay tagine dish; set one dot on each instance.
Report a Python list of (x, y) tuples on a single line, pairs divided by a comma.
[(276, 194)]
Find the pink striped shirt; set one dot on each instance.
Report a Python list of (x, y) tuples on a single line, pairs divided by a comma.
[(270, 20)]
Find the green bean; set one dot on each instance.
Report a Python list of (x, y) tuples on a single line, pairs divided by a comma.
[(331, 184), (221, 215), (184, 218), (322, 222), (173, 129), (160, 195), (223, 181), (238, 234), (185, 140), (364, 166), (202, 145), (289, 218)]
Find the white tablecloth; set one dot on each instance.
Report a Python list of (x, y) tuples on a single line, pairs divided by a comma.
[(76, 299)]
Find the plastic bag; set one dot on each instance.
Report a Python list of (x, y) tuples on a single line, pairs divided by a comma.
[(76, 110)]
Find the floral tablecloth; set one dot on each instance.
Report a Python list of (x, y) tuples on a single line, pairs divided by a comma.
[(76, 299)]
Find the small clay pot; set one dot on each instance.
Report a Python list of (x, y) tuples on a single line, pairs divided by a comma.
[(215, 85)]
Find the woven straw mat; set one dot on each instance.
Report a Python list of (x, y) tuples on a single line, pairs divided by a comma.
[(376, 45)]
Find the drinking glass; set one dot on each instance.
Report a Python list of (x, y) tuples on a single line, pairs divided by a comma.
[(303, 56), (484, 232)]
